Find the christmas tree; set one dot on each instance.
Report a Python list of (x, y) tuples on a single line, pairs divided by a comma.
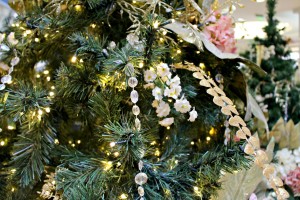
[(277, 90), (105, 99)]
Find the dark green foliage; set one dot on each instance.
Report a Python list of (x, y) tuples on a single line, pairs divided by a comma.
[(90, 108), (285, 96)]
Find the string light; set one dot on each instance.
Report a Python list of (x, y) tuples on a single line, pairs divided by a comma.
[(40, 112), (52, 87), (107, 165), (9, 127), (141, 65), (178, 51), (73, 59), (93, 25), (202, 66), (13, 189), (46, 72), (47, 110), (56, 141), (208, 138), (212, 131), (13, 171), (123, 196), (157, 152), (116, 154), (165, 32), (28, 32), (192, 143), (36, 39), (78, 141), (112, 144), (153, 143), (38, 76), (78, 8), (51, 94), (48, 78), (2, 143), (73, 145), (197, 52)]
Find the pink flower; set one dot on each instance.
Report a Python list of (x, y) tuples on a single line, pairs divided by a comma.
[(293, 180), (221, 33)]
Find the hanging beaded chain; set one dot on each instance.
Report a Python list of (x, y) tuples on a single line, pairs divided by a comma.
[(7, 78), (141, 178)]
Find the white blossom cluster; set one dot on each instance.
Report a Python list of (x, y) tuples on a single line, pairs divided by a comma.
[(171, 89), (288, 160)]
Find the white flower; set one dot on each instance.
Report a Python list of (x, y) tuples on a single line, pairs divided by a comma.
[(149, 76), (182, 105), (132, 39), (174, 82), (173, 92), (157, 93), (167, 122), (296, 153), (193, 115), (155, 103), (163, 70), (112, 45), (2, 36), (163, 109), (40, 66), (11, 39), (286, 161)]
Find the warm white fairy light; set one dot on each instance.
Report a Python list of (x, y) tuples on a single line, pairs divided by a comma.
[(73, 59), (2, 143), (78, 141), (48, 78), (47, 110), (51, 94), (123, 196), (38, 76), (46, 72), (112, 144)]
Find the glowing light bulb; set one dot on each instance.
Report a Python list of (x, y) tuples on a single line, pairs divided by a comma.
[(40, 112), (73, 145), (116, 154), (73, 59), (202, 66), (36, 39), (107, 165), (9, 127), (2, 143), (192, 143), (165, 32), (157, 152), (123, 196), (178, 51), (197, 52), (208, 138), (51, 94), (46, 72), (78, 8), (78, 141), (48, 78), (112, 144), (93, 25), (141, 65), (56, 141), (168, 128), (28, 31), (38, 76), (52, 87), (47, 110)]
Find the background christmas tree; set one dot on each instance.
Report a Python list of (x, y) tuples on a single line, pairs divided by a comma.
[(277, 90), (105, 102)]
